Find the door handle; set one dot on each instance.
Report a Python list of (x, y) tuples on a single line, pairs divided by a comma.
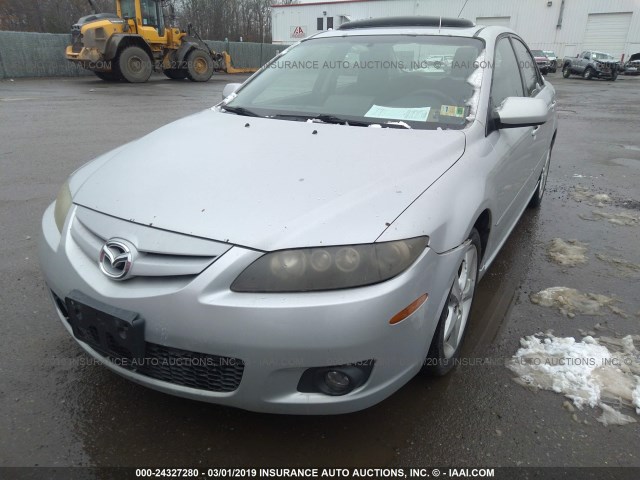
[(535, 130)]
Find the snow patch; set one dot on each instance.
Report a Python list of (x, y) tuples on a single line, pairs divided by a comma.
[(570, 301), (611, 416), (595, 372), (625, 268), (626, 219), (581, 194), (568, 253)]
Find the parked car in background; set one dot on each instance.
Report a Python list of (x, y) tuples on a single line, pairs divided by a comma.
[(328, 249), (553, 60), (632, 66), (542, 60), (590, 64)]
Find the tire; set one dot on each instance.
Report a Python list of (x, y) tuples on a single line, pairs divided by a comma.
[(566, 71), (175, 73), (536, 199), (109, 76), (135, 65), (614, 76), (588, 73), (199, 66), (449, 335)]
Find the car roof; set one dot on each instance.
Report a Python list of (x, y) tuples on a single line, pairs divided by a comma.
[(454, 27)]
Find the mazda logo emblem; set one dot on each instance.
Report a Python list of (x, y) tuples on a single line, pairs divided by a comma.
[(116, 259)]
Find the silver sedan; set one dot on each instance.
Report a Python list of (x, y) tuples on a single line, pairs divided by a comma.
[(314, 241)]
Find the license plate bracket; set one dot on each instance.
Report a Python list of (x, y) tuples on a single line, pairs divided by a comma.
[(112, 331)]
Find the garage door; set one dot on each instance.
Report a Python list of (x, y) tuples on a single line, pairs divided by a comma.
[(499, 21), (607, 32)]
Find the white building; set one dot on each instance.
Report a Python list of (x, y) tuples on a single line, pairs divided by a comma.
[(564, 26)]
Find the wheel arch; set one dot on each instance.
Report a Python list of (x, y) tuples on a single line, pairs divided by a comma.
[(117, 43), (483, 226)]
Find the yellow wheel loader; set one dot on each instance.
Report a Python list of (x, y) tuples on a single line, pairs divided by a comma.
[(132, 43)]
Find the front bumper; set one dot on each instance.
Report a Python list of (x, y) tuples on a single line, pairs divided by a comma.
[(277, 336), (89, 58)]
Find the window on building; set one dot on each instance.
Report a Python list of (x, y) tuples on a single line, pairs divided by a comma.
[(329, 22), (320, 23)]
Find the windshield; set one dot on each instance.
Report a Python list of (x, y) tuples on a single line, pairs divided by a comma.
[(128, 9), (419, 82), (538, 53), (602, 56), (549, 53)]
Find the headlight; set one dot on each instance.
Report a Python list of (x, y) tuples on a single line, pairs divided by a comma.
[(63, 204), (329, 268)]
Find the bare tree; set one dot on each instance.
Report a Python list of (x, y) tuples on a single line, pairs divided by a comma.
[(212, 19)]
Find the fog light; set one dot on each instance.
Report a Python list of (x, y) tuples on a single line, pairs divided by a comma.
[(337, 381)]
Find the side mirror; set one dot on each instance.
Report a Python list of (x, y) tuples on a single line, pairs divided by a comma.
[(518, 112), (230, 88)]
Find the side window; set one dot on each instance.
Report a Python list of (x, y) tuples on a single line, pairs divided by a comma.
[(149, 16), (532, 82), (587, 55), (506, 76)]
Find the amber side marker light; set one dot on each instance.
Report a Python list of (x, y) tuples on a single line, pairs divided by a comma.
[(408, 310)]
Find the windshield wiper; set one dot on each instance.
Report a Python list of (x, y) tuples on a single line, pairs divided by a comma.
[(324, 118), (240, 111), (334, 119)]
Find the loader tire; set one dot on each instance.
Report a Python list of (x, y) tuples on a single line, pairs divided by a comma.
[(175, 73), (135, 65), (199, 66)]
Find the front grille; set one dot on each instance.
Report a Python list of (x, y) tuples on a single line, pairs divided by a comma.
[(181, 367), (191, 369), (161, 253)]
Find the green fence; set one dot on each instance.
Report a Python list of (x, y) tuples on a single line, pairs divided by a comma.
[(26, 54)]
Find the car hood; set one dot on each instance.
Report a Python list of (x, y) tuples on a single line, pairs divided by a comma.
[(268, 184)]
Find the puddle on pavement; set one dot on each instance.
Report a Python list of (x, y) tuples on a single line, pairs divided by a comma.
[(622, 218), (568, 253), (631, 147), (622, 266), (626, 162), (595, 372), (570, 302)]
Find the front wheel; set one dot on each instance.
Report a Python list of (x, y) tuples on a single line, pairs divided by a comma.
[(566, 71), (199, 66), (135, 65), (588, 74), (614, 76), (447, 339)]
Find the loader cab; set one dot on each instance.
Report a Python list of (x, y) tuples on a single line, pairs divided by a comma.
[(145, 17)]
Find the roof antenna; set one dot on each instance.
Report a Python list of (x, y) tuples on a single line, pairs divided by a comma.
[(440, 25), (465, 4)]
